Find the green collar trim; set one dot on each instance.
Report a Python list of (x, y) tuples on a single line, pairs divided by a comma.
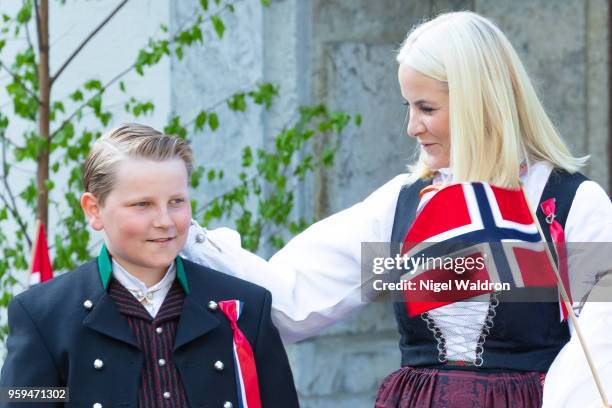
[(105, 268)]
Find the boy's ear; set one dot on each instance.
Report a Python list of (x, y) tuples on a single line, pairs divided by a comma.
[(91, 207)]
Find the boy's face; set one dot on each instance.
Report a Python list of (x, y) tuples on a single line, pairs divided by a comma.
[(146, 216)]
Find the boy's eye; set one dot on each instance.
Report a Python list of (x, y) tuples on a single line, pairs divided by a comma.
[(141, 204), (177, 201)]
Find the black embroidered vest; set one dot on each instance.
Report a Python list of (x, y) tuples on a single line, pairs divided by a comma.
[(524, 336)]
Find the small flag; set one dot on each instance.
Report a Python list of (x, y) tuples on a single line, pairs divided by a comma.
[(471, 222), (40, 266), (246, 371)]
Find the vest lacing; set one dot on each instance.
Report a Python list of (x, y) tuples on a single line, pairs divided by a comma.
[(463, 331)]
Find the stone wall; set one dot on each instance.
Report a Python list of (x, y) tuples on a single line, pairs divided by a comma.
[(342, 53)]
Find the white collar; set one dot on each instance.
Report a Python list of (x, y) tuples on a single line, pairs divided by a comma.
[(444, 175), (138, 288), (529, 174)]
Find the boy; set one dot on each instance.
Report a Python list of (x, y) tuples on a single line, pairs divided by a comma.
[(139, 326)]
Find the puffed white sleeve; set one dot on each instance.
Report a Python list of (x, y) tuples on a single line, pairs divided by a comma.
[(569, 382), (315, 279), (588, 233)]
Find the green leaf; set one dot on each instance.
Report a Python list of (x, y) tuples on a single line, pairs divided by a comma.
[(93, 84), (196, 34), (175, 128), (264, 94), (6, 299), (196, 176), (30, 193), (204, 4), (327, 156), (358, 119), (218, 25), (76, 96), (200, 121), (25, 13), (49, 184), (265, 3), (213, 121), (247, 156), (58, 106), (105, 118), (237, 102)]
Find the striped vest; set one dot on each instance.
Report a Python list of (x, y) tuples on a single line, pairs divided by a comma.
[(160, 382)]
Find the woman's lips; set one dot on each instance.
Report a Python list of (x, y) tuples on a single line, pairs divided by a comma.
[(429, 146)]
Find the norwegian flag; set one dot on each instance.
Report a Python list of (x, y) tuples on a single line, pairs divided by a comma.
[(473, 221), (40, 264)]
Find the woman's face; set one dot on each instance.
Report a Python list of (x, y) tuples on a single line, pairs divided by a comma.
[(428, 121)]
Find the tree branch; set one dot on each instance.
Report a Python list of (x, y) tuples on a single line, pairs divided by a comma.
[(123, 73), (37, 21), (77, 110), (27, 31), (214, 106), (18, 80), (194, 17), (18, 218), (87, 39), (12, 205), (207, 204)]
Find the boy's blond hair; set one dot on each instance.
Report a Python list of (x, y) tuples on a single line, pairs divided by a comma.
[(130, 140)]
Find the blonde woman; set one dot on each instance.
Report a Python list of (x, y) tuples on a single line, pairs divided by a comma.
[(476, 117)]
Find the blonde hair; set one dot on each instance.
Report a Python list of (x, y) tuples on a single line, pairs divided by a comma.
[(496, 118), (129, 140)]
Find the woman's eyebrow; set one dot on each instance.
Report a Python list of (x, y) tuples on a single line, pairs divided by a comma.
[(419, 102)]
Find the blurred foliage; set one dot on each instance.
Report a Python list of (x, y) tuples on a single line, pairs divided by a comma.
[(261, 204)]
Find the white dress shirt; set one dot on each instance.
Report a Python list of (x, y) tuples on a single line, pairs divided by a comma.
[(150, 297)]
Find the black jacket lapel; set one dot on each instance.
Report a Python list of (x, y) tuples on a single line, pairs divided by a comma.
[(106, 319), (196, 320)]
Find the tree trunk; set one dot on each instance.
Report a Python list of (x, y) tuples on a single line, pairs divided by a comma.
[(44, 84)]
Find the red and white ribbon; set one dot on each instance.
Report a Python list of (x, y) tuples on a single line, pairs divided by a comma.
[(558, 237), (246, 372)]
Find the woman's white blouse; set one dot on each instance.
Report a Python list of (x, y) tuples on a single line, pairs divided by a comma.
[(316, 280), (569, 382)]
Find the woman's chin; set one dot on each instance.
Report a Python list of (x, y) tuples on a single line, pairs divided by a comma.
[(436, 163)]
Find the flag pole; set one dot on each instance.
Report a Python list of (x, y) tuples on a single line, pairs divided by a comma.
[(568, 306), (34, 243)]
